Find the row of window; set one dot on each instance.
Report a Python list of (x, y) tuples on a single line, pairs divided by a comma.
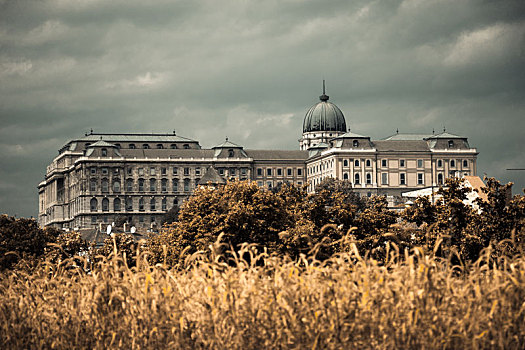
[(117, 204), (269, 184), (104, 219), (141, 185), (186, 171), (144, 146), (402, 163), (384, 178), (279, 172)]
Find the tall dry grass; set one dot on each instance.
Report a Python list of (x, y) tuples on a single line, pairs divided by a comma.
[(266, 302)]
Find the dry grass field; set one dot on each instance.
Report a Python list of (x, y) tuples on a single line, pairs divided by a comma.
[(269, 303)]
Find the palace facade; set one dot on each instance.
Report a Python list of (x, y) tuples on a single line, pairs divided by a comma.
[(100, 177)]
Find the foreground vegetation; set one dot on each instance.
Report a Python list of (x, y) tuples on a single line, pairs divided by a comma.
[(264, 302), (326, 270)]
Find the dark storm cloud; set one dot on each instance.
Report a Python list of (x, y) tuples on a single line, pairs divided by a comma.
[(250, 69)]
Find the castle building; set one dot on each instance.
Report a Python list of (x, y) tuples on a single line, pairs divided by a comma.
[(100, 177)]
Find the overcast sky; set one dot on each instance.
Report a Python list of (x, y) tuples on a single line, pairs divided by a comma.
[(250, 70)]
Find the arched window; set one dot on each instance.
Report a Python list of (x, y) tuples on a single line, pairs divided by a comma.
[(345, 162), (104, 152), (368, 178), (186, 185), (93, 204), (164, 185), (129, 204), (173, 146), (356, 162), (345, 176), (465, 163), (440, 179), (116, 204), (230, 153), (152, 185), (160, 146), (105, 185), (186, 146), (164, 204), (116, 185), (152, 204), (368, 162), (129, 185), (175, 202), (141, 185), (357, 179), (141, 204), (132, 146), (105, 204), (452, 163), (145, 146), (356, 143), (175, 185), (93, 185)]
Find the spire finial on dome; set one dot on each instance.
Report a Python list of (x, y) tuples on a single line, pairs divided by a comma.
[(323, 97)]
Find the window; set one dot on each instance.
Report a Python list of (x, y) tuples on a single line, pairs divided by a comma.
[(93, 171), (368, 178), (129, 185), (163, 171), (118, 145), (440, 163), (197, 171), (129, 204), (104, 171), (221, 171), (186, 185), (173, 146), (152, 185), (244, 171), (93, 204), (232, 171), (269, 184), (345, 162), (160, 146), (141, 219), (384, 178), (345, 176), (104, 152), (105, 204), (402, 179), (260, 183), (230, 153), (164, 204), (141, 204), (152, 204), (92, 185), (259, 172), (186, 146), (368, 162), (420, 163), (269, 171), (356, 162), (402, 163), (356, 179), (141, 171), (289, 172), (175, 185), (93, 219), (355, 143), (116, 185), (440, 179), (152, 219), (186, 171), (164, 185), (450, 143), (116, 171), (105, 185), (141, 185), (116, 204), (279, 172), (145, 146), (419, 178), (175, 202), (132, 146), (299, 172), (465, 163), (384, 163), (452, 163), (152, 171), (175, 171)]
